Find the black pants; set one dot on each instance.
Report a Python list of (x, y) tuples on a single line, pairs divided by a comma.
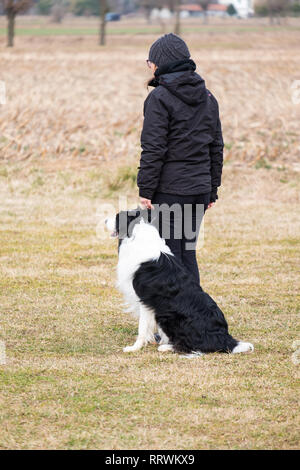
[(183, 245)]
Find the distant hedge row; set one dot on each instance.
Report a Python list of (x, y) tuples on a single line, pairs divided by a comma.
[(291, 10), (78, 7)]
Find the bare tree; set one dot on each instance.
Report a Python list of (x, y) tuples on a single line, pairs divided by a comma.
[(58, 11), (177, 17), (102, 33), (204, 4), (276, 9), (148, 5), (12, 8)]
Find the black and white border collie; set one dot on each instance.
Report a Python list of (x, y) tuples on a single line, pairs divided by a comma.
[(163, 295)]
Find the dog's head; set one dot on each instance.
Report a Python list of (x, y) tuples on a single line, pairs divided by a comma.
[(122, 224)]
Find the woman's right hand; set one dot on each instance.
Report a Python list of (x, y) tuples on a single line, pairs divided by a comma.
[(146, 203)]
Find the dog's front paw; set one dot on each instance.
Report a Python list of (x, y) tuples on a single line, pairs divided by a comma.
[(150, 339)]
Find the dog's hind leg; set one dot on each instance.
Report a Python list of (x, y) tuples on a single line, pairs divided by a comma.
[(147, 327), (243, 347)]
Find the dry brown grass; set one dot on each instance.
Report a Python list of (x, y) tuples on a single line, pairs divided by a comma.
[(67, 383), (69, 143), (67, 97)]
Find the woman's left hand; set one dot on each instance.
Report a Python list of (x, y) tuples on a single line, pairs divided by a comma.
[(211, 204), (146, 203)]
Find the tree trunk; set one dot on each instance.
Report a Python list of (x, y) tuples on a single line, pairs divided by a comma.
[(10, 28), (177, 19), (148, 13), (163, 26), (102, 35)]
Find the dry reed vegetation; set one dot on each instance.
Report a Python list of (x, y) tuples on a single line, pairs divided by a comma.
[(82, 101), (69, 142)]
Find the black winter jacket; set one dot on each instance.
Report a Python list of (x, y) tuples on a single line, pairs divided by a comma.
[(182, 144)]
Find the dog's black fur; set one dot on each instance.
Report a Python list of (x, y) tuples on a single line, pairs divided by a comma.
[(188, 316)]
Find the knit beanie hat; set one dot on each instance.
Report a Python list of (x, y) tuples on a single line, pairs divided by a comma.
[(167, 49)]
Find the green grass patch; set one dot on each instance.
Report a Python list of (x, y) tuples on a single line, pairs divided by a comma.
[(41, 30)]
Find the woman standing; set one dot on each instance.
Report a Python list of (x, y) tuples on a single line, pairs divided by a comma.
[(182, 145)]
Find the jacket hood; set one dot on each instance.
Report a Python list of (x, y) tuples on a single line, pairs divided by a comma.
[(188, 86)]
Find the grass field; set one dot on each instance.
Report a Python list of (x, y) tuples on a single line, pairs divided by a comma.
[(70, 143), (89, 26)]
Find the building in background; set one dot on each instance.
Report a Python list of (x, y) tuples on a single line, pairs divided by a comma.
[(194, 10), (244, 8), (217, 9)]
